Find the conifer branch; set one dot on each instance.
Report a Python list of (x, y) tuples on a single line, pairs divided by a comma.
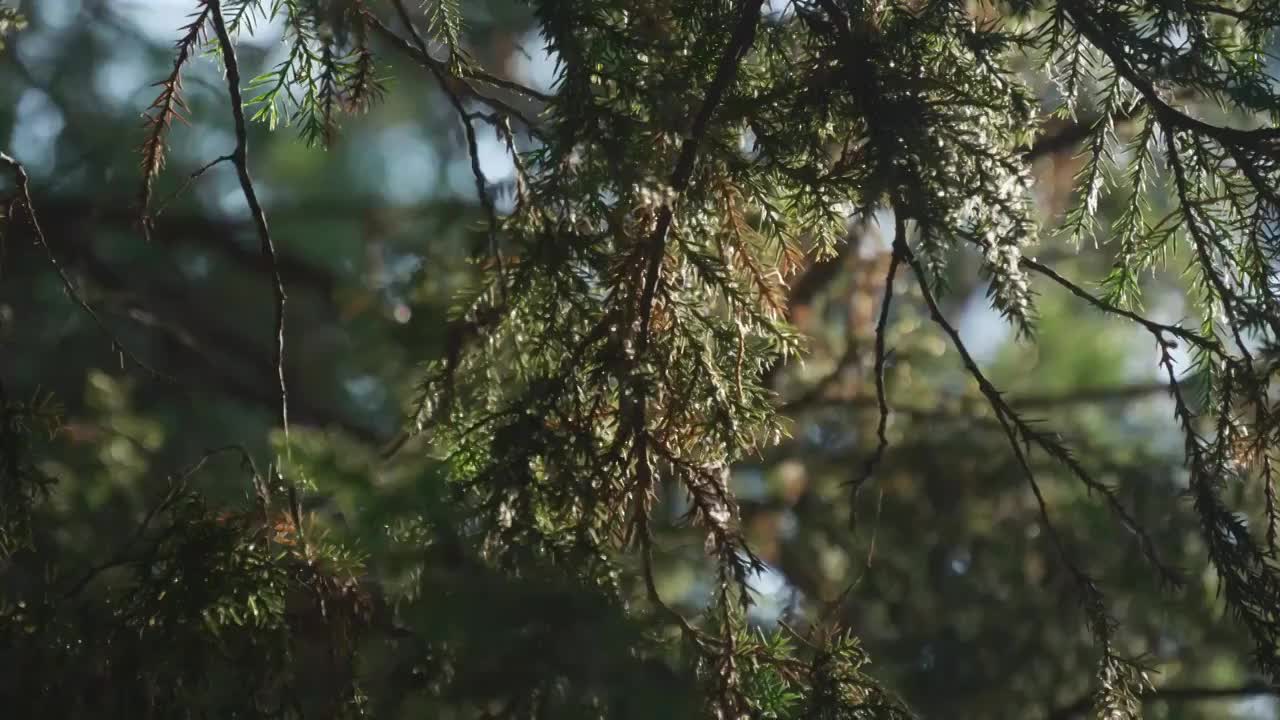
[(726, 70), (1204, 243), (240, 158), (1250, 582), (468, 126), (1087, 22), (1050, 445), (1004, 414), (465, 72), (711, 503), (1066, 138), (177, 489), (739, 42), (1189, 694), (167, 106), (459, 85), (1206, 344), (1121, 678), (631, 351)]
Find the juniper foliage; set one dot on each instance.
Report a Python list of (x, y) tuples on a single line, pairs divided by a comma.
[(631, 312)]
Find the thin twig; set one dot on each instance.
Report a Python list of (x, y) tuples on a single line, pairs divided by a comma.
[(833, 608), (1019, 431), (505, 84), (28, 207), (882, 328), (195, 175), (1199, 341), (473, 151), (440, 69), (240, 157)]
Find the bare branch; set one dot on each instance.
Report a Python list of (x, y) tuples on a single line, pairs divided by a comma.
[(240, 157), (195, 175), (473, 151), (882, 443), (28, 207)]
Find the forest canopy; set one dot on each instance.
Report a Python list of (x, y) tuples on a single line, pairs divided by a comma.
[(616, 359)]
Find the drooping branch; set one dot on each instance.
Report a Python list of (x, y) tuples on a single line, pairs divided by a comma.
[(882, 329), (468, 125), (461, 86), (1008, 420), (1087, 22), (743, 35), (740, 42), (24, 202), (1120, 676), (713, 510), (1050, 445), (1191, 338), (167, 107), (240, 158)]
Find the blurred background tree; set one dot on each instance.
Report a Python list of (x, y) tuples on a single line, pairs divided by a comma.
[(940, 565)]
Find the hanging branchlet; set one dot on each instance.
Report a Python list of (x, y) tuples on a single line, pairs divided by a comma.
[(445, 24), (167, 107), (21, 208), (1121, 680)]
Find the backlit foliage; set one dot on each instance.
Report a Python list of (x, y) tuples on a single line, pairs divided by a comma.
[(693, 157)]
